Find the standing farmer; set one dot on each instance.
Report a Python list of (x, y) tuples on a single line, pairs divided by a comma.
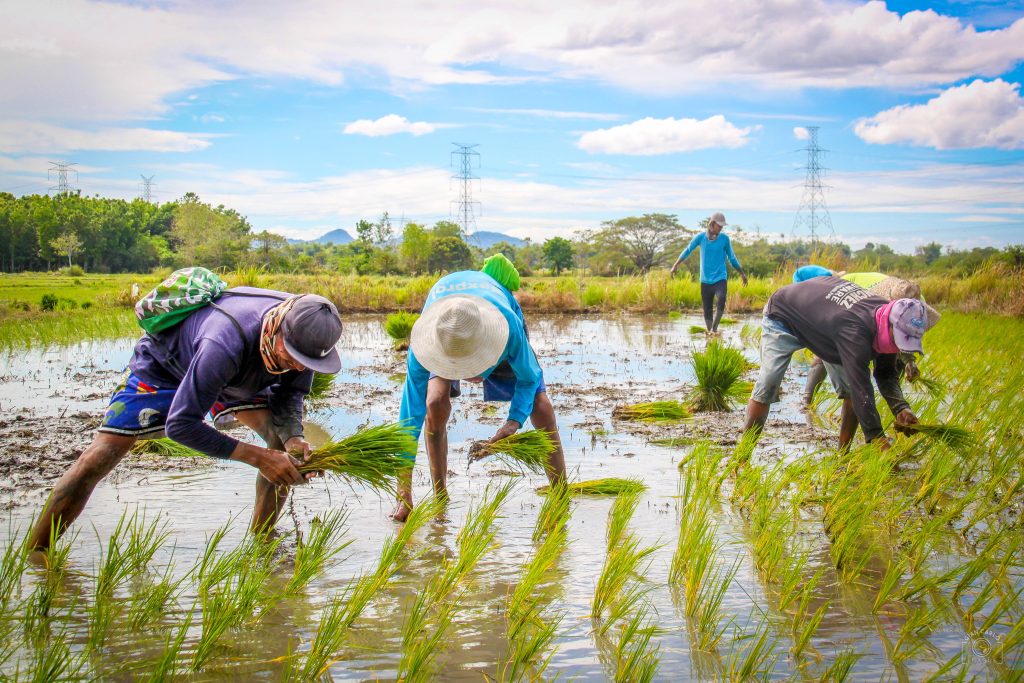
[(715, 248), (472, 329), (850, 329), (252, 355)]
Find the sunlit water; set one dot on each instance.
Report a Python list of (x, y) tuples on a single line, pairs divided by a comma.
[(583, 359)]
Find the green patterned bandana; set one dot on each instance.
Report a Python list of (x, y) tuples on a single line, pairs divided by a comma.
[(502, 270)]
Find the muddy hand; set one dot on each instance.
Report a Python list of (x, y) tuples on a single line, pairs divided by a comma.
[(299, 448), (905, 421)]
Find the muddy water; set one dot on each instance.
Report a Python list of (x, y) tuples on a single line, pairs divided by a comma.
[(590, 365)]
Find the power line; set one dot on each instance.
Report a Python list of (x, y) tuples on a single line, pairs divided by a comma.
[(61, 170), (467, 207), (813, 216), (146, 188)]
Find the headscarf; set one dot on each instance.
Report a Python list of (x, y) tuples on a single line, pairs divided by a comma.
[(272, 320), (504, 271)]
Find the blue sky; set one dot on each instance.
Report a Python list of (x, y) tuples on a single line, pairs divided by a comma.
[(310, 115)]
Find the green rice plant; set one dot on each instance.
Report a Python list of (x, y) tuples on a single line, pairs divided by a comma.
[(530, 450), (890, 582), (13, 563), (914, 633), (330, 635), (751, 333), (554, 512), (698, 329), (753, 658), (610, 486), (148, 604), (695, 526), (674, 441), (635, 660), (166, 667), (129, 550), (719, 387), (399, 325), (839, 670), (372, 456), (313, 554), (55, 661), (805, 625), (431, 615), (706, 607), (621, 512), (656, 411), (322, 382), (933, 387), (945, 673), (954, 437), (625, 558), (165, 447), (744, 450)]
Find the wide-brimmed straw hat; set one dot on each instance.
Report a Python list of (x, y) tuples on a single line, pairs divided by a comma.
[(893, 288), (459, 336)]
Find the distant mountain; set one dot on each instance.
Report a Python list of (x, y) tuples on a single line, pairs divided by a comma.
[(485, 239), (338, 236)]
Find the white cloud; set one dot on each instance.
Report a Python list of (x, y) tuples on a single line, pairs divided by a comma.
[(665, 136), (137, 58), (392, 124), (979, 114), (552, 114), (30, 136), (982, 218), (801, 133)]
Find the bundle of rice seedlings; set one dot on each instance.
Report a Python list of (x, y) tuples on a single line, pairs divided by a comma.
[(674, 441), (610, 486), (719, 387), (399, 325), (321, 385), (956, 438), (373, 456), (697, 329), (932, 387), (165, 447), (657, 411), (529, 450)]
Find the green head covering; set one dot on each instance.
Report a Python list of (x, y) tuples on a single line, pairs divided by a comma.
[(502, 270)]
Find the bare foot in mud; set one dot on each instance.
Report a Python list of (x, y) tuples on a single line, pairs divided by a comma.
[(402, 508)]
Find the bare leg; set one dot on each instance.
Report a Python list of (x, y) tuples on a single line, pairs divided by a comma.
[(848, 424), (435, 430), (815, 377), (757, 415), (270, 499), (72, 490), (543, 417), (403, 506)]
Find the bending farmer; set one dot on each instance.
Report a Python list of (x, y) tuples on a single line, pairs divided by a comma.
[(472, 329), (849, 329), (251, 356), (715, 248)]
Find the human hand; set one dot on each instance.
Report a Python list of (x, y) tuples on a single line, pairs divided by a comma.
[(279, 468), (508, 429), (904, 420), (300, 449), (672, 270), (745, 281), (883, 442), (911, 371)]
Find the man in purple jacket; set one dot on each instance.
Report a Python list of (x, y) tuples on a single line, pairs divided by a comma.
[(850, 329), (251, 357)]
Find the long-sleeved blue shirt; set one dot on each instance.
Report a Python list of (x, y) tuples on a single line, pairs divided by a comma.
[(713, 254), (207, 361), (517, 349)]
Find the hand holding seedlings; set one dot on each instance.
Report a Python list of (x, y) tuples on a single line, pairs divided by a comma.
[(904, 420), (300, 449)]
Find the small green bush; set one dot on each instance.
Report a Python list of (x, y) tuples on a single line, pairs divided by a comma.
[(48, 302), (73, 271)]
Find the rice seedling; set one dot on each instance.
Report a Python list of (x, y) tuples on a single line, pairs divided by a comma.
[(372, 456), (129, 550), (839, 670), (753, 658), (528, 450), (744, 450), (12, 565), (719, 387), (695, 527), (954, 437), (804, 626), (914, 633), (635, 660), (656, 411), (674, 441), (329, 638), (165, 447), (610, 486), (932, 387), (625, 559), (55, 661), (148, 604), (708, 589), (314, 553), (166, 667), (698, 329), (554, 512), (399, 325), (322, 383)]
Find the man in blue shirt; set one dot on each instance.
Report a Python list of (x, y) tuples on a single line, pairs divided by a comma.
[(471, 329), (715, 248), (251, 357)]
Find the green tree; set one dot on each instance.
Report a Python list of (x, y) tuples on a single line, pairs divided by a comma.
[(641, 240), (930, 252), (415, 248), (449, 254), (558, 254), (364, 231), (447, 229), (204, 236), (67, 244)]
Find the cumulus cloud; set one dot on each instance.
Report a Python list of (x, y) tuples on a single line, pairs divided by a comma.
[(979, 114), (137, 58), (26, 136), (801, 133), (392, 124), (665, 136)]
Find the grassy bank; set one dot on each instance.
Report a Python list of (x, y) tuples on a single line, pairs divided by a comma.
[(99, 306)]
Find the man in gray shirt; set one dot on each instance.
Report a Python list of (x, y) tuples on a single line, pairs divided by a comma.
[(849, 329)]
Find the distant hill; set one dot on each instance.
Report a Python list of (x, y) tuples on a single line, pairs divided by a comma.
[(485, 239), (338, 236)]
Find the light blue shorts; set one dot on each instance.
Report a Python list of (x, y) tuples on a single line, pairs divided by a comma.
[(778, 345)]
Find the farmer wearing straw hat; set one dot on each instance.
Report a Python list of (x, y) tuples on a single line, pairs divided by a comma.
[(887, 286), (250, 357), (472, 329), (850, 329), (715, 249)]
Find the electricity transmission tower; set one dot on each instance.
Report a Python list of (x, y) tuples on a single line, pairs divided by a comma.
[(466, 206), (60, 169), (812, 216), (146, 188)]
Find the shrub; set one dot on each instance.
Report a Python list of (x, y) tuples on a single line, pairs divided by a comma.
[(48, 302), (73, 271)]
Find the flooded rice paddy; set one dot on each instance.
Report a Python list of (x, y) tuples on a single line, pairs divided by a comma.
[(50, 401)]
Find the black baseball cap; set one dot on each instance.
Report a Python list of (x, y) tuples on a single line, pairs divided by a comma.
[(311, 330)]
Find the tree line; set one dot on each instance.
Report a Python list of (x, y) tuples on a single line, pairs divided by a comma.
[(97, 234)]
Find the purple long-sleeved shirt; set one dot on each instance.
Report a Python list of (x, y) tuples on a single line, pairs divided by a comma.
[(207, 361)]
